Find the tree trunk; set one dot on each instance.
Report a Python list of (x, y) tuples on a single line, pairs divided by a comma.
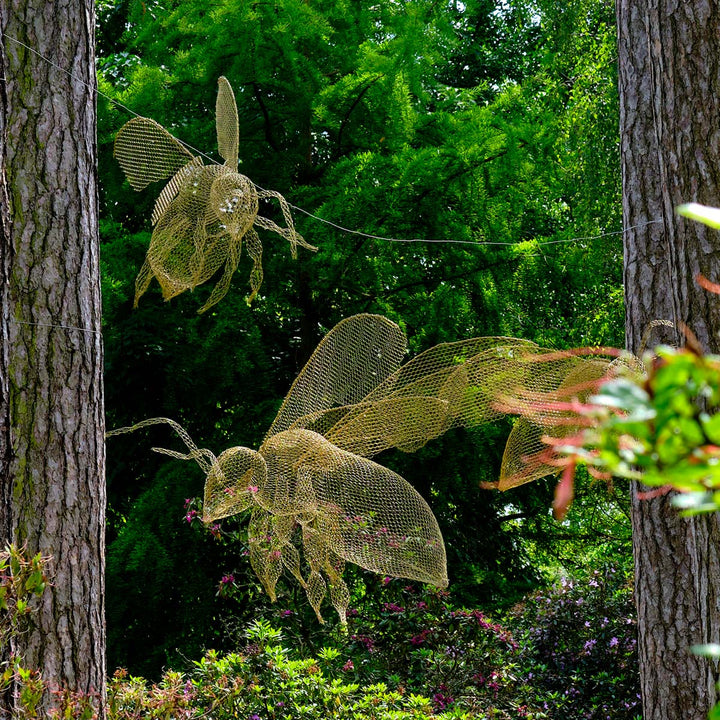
[(5, 265), (51, 404), (669, 81)]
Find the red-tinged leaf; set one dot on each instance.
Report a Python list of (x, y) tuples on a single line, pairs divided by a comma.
[(565, 491), (706, 284), (657, 492), (691, 341), (598, 474), (486, 485), (576, 441)]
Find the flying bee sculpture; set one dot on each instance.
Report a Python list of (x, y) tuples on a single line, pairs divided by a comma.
[(204, 213), (316, 498)]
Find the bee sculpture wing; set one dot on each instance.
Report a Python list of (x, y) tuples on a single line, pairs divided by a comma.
[(449, 385), (359, 353), (226, 122), (147, 152), (527, 456)]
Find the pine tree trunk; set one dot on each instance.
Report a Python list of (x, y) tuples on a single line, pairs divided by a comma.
[(51, 404), (669, 81), (5, 264)]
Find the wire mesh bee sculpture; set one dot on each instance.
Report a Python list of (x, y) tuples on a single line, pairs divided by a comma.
[(204, 212), (316, 497)]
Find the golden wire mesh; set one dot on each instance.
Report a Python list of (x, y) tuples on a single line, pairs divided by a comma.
[(548, 404), (545, 404), (317, 500), (204, 212)]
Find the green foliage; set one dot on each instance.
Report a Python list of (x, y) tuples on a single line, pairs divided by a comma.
[(23, 580), (569, 650), (663, 429), (406, 654), (264, 681), (421, 643), (474, 122)]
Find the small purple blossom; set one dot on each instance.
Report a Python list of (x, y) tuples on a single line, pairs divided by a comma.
[(368, 642), (392, 607), (421, 638)]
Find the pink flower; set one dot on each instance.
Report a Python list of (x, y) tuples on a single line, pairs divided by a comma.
[(420, 639), (392, 607), (348, 666)]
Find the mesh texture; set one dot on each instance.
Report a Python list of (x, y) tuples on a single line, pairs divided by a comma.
[(316, 498), (204, 212)]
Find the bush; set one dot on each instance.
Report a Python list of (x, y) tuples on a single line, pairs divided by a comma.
[(412, 638), (266, 682), (407, 653), (580, 647)]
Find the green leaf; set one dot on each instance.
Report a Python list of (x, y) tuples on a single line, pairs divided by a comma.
[(702, 213), (711, 427), (711, 650)]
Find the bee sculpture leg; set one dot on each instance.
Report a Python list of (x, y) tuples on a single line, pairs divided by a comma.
[(283, 526), (265, 551), (223, 285), (254, 248)]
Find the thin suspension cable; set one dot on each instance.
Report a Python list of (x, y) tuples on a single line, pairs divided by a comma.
[(349, 231)]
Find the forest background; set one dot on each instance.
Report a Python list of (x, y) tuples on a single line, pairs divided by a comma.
[(489, 126)]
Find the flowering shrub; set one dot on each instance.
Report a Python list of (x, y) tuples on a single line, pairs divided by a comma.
[(264, 682), (406, 654), (580, 647), (411, 638)]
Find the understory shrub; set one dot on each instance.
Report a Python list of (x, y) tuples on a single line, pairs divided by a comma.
[(413, 638), (265, 682), (566, 652), (579, 647)]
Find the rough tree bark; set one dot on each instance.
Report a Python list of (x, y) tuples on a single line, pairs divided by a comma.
[(52, 495), (669, 81)]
